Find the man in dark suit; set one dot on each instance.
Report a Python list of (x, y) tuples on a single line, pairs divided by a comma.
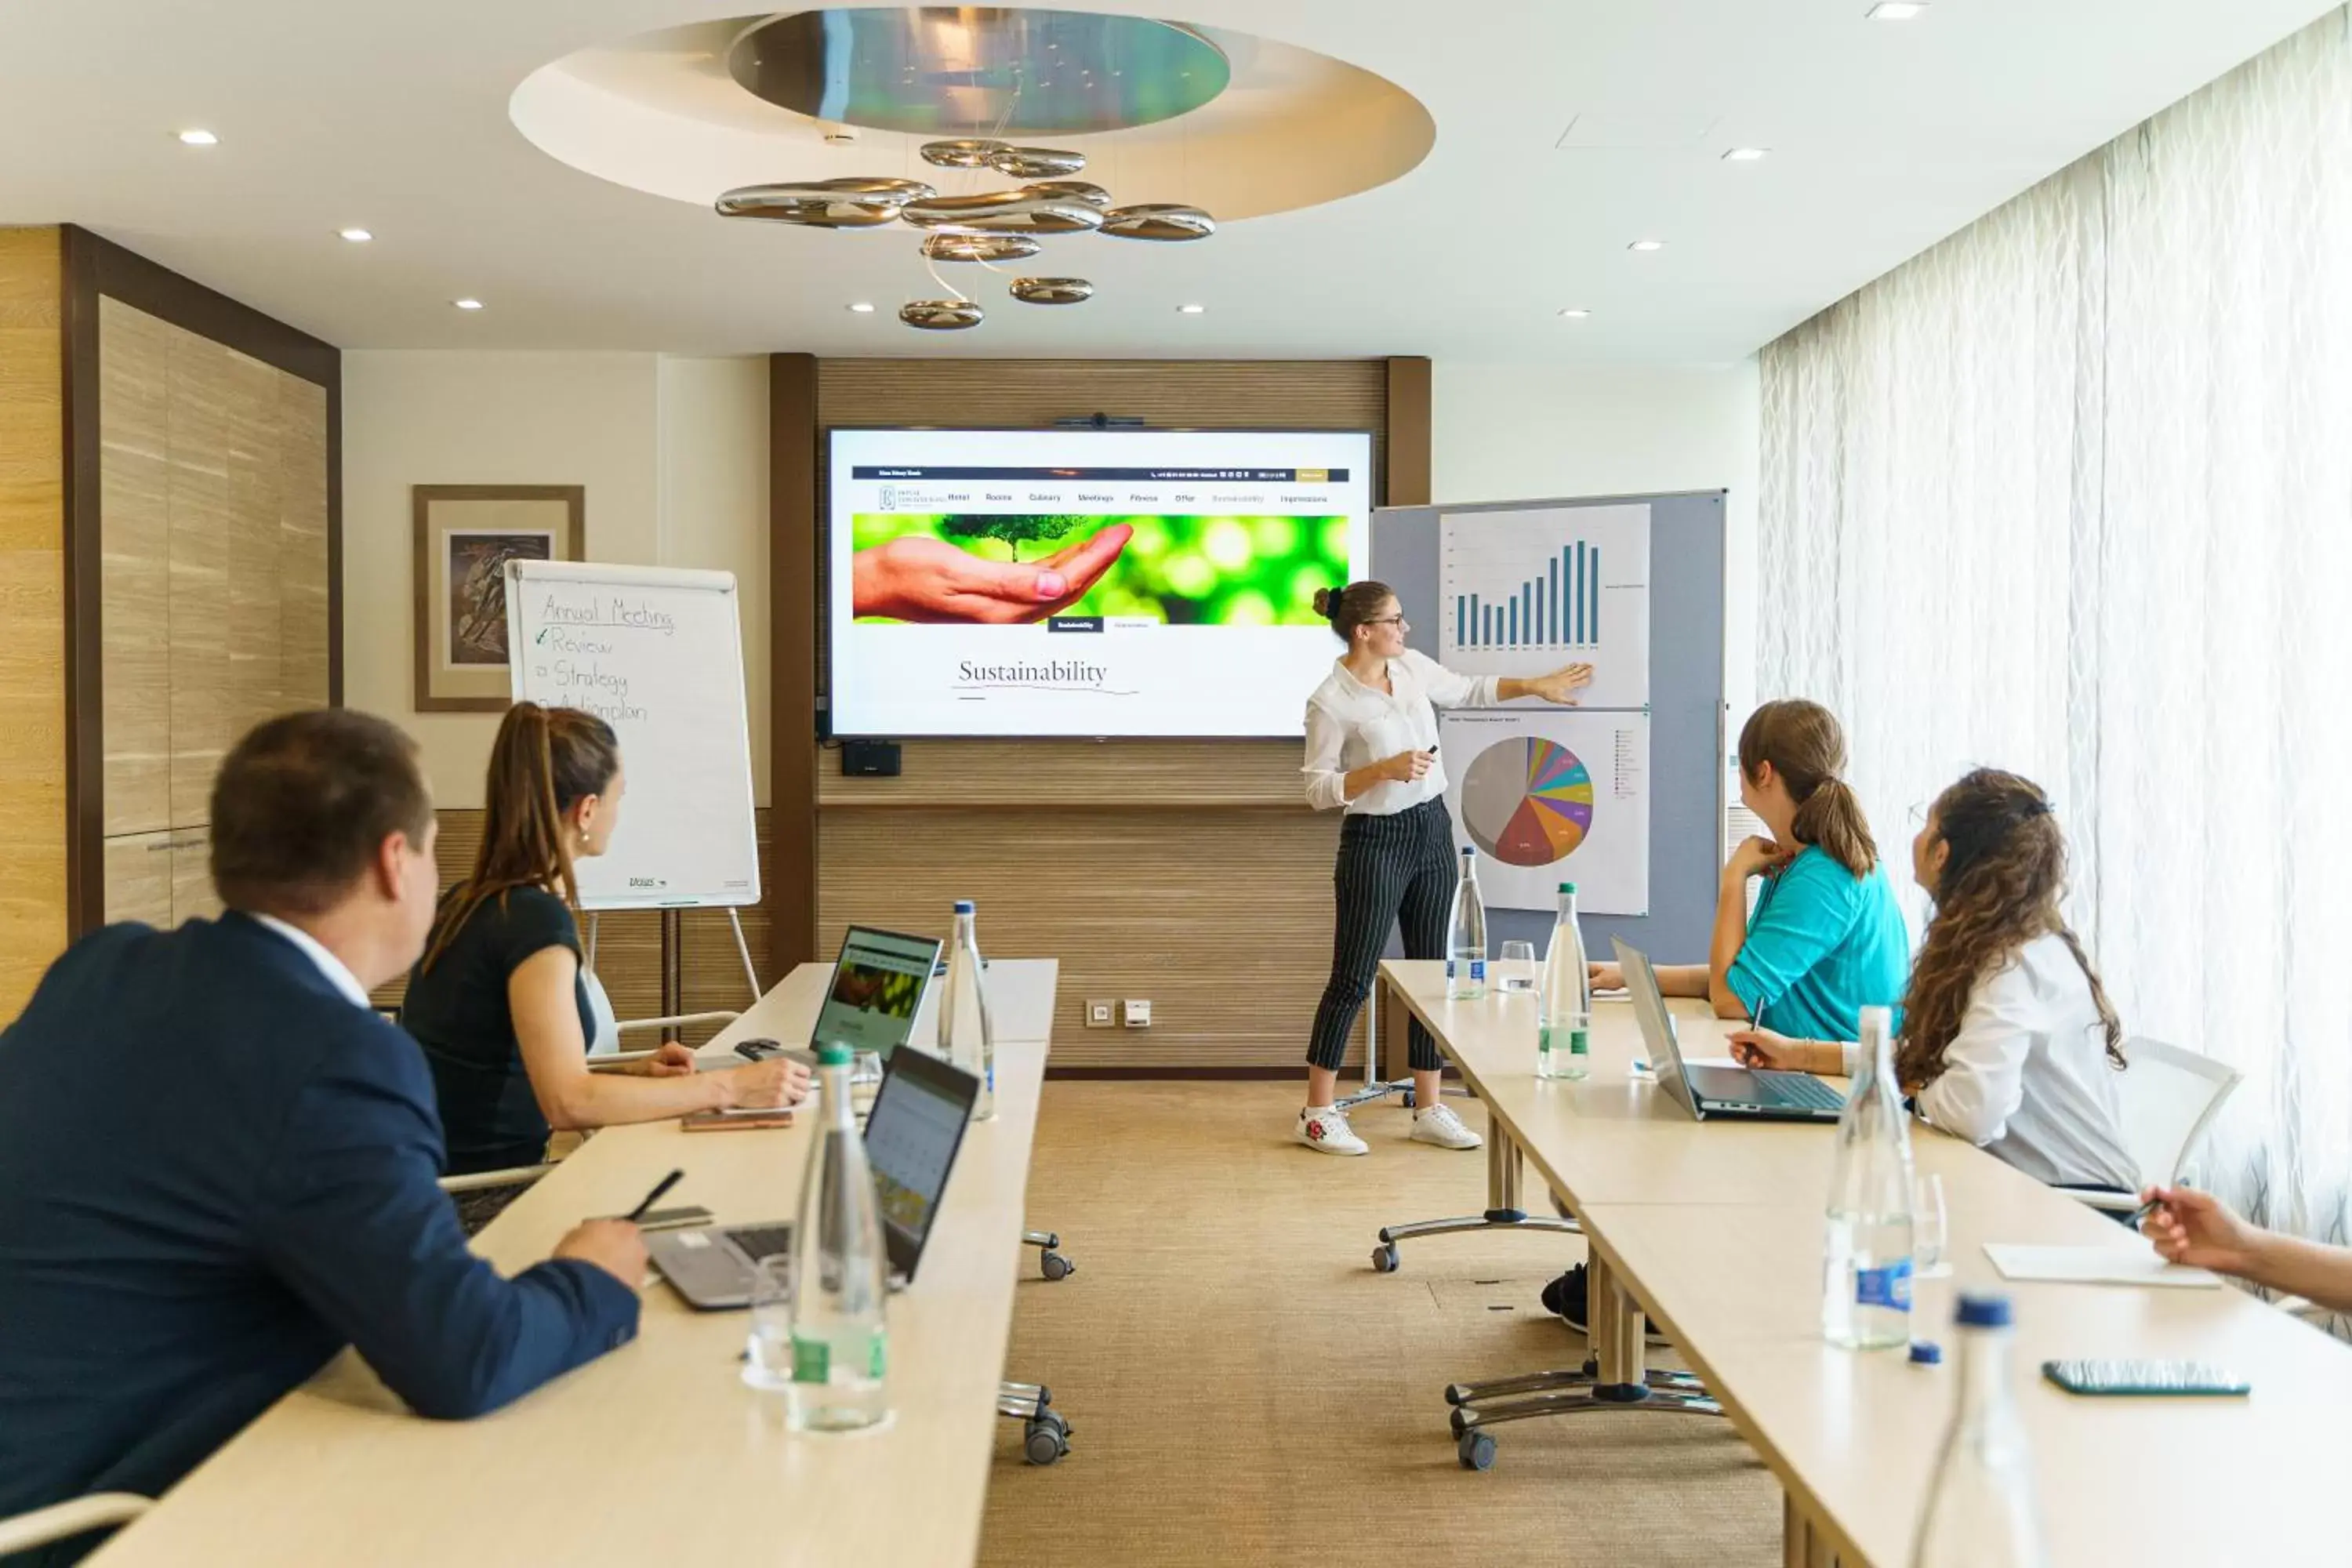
[(217, 1163)]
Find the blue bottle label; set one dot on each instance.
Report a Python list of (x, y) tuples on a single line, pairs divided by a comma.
[(1477, 969), (1887, 1286)]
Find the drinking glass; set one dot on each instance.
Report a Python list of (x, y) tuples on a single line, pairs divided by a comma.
[(1518, 967), (1930, 1230), (768, 1359)]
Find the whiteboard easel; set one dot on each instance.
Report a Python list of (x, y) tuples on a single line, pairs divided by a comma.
[(657, 653)]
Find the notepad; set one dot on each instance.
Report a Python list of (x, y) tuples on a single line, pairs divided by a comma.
[(2126, 1264)]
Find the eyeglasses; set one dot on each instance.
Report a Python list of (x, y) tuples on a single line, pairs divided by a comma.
[(1919, 814), (1386, 621)]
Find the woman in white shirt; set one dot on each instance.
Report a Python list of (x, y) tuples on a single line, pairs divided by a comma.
[(2008, 1037), (1371, 750)]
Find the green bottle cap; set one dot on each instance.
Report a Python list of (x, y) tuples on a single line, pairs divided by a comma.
[(1568, 886), (832, 1053)]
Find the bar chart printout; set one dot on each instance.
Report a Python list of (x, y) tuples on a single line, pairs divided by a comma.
[(1525, 592), (1558, 608)]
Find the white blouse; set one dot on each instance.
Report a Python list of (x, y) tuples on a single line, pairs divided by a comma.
[(1350, 725), (2027, 1078)]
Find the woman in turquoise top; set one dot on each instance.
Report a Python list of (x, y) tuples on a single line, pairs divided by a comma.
[(1827, 938)]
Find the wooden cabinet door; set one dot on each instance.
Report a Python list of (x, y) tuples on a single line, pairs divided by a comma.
[(135, 567), (191, 876), (202, 390), (302, 543), (253, 546), (138, 876)]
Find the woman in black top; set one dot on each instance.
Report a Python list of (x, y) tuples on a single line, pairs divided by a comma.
[(500, 1001)]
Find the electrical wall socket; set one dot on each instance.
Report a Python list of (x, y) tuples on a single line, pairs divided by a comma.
[(1101, 1015), (1136, 1013)]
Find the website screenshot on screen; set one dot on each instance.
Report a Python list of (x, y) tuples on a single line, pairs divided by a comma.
[(1087, 583)]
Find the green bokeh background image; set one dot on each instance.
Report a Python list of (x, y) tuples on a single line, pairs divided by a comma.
[(1183, 570)]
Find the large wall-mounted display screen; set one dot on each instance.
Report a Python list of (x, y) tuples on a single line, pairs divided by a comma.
[(1088, 582)]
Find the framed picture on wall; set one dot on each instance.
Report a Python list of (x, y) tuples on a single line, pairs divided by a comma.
[(465, 534)]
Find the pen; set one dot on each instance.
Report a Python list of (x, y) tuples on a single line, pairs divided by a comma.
[(651, 1198), (2133, 1219)]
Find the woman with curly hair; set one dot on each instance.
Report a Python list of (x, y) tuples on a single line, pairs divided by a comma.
[(2008, 1038)]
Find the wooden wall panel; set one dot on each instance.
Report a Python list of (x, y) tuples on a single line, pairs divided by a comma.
[(139, 871), (33, 889), (201, 387), (304, 578), (135, 569), (1222, 918), (1189, 873), (253, 545), (214, 597), (193, 897)]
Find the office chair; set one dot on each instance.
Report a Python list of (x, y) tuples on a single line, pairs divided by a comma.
[(75, 1516), (2169, 1097)]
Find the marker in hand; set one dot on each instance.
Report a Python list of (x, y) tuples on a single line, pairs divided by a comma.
[(651, 1198)]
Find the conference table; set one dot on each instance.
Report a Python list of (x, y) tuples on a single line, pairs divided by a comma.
[(1716, 1232), (657, 1452)]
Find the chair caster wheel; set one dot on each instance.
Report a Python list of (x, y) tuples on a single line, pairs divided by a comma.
[(1046, 1437), (1477, 1450), (1054, 1266), (1384, 1259)]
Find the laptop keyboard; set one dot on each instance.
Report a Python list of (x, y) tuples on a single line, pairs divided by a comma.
[(1797, 1089), (762, 1241)]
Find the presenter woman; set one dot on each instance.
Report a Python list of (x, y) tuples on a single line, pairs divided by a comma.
[(499, 1001), (1371, 750)]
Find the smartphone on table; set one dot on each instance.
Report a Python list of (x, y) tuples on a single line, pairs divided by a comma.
[(2175, 1378)]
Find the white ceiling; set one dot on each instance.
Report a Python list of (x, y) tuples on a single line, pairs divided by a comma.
[(393, 116)]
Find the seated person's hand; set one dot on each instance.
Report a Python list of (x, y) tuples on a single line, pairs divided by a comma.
[(2198, 1230), (1605, 976), (1756, 857), (779, 1080), (614, 1245), (1754, 1048), (673, 1059)]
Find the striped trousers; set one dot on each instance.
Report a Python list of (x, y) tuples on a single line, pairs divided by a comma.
[(1394, 870)]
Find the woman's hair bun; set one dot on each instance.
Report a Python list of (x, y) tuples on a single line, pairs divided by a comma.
[(1325, 601)]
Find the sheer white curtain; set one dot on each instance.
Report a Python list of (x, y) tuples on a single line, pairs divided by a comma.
[(2071, 494)]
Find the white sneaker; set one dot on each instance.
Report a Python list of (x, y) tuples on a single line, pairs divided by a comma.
[(1327, 1129), (1437, 1124)]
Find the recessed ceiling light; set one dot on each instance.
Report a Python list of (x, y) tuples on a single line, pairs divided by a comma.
[(863, 306), (199, 138), (1190, 310), (1896, 10), (1745, 155), (1647, 245), (356, 236), (1575, 313), (467, 304)]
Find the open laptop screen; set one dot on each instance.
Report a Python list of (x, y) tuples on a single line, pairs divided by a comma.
[(878, 988), (1658, 1024), (911, 1137)]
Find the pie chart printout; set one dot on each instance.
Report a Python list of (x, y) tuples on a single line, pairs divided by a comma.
[(1526, 801)]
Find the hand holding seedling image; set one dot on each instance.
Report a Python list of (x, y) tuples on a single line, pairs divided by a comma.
[(917, 577)]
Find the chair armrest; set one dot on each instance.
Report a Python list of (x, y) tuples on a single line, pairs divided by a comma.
[(513, 1176), (99, 1511), (674, 1022), (2106, 1202)]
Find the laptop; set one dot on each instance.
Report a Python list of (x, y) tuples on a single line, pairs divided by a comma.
[(1750, 1094), (879, 984), (912, 1135)]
